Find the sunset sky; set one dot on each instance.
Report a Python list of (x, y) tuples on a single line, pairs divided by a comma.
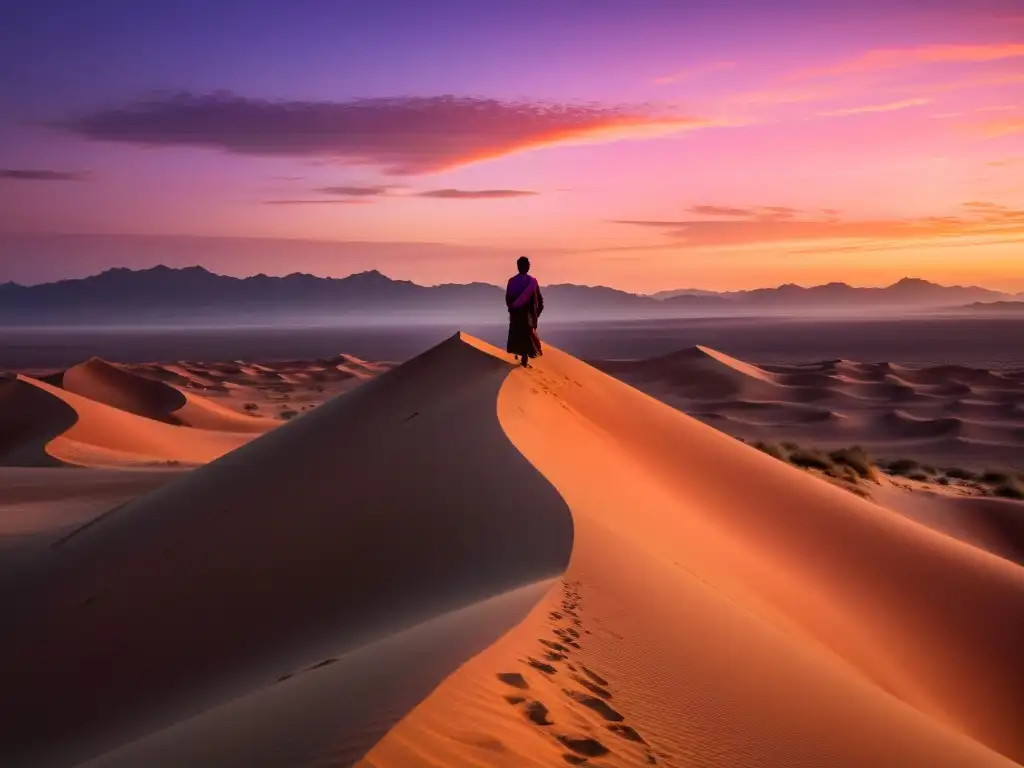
[(644, 144)]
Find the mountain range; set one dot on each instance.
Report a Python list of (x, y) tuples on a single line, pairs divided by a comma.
[(194, 294)]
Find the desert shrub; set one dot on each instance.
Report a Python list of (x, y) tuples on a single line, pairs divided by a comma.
[(856, 459), (288, 415), (1010, 490), (902, 467), (957, 473), (943, 480), (993, 477), (771, 449), (919, 476), (250, 406), (928, 469), (791, 446), (810, 459)]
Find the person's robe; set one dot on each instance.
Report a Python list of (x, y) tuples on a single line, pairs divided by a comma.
[(525, 303)]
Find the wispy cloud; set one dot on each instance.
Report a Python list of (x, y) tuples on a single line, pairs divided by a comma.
[(758, 225), (870, 108), (316, 202), (475, 194), (402, 135), (689, 73), (21, 174), (355, 191), (998, 128), (897, 58), (758, 212)]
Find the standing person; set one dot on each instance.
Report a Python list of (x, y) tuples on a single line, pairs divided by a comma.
[(525, 303)]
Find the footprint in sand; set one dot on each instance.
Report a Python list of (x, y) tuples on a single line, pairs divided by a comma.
[(514, 679), (323, 663), (593, 675), (594, 703), (584, 745), (547, 669), (553, 645), (627, 733), (537, 713), (604, 693)]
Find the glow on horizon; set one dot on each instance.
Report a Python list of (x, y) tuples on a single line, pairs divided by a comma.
[(858, 155)]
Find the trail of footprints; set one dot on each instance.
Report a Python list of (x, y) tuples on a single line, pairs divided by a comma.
[(589, 689)]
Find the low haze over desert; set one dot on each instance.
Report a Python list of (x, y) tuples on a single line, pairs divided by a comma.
[(732, 476)]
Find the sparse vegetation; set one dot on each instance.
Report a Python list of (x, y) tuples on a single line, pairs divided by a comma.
[(811, 458), (900, 467), (956, 473), (1010, 490), (771, 449), (992, 477), (857, 459), (289, 414), (847, 466)]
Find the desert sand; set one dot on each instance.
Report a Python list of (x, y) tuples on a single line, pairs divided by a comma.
[(460, 562), (951, 414)]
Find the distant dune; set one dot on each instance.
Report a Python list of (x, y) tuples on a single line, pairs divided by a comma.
[(461, 562), (947, 414)]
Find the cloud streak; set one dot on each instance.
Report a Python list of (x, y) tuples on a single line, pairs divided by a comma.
[(359, 201), (873, 108), (17, 174), (355, 191), (898, 58), (402, 135), (691, 72), (760, 226), (998, 128), (475, 194)]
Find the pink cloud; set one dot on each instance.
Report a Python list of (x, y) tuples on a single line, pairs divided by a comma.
[(897, 58)]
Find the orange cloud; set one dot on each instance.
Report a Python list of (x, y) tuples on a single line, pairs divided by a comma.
[(691, 72), (893, 107), (999, 128), (896, 58)]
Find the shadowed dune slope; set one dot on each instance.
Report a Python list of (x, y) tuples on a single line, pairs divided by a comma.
[(392, 505), (47, 425), (724, 609), (120, 388)]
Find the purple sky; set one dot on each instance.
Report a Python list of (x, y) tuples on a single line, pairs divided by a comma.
[(646, 144)]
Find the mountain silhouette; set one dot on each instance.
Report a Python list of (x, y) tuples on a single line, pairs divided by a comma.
[(163, 294)]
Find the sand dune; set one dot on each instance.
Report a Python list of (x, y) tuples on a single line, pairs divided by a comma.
[(951, 414), (560, 569), (102, 414), (46, 425)]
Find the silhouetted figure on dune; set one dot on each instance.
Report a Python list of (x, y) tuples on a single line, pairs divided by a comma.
[(525, 303)]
